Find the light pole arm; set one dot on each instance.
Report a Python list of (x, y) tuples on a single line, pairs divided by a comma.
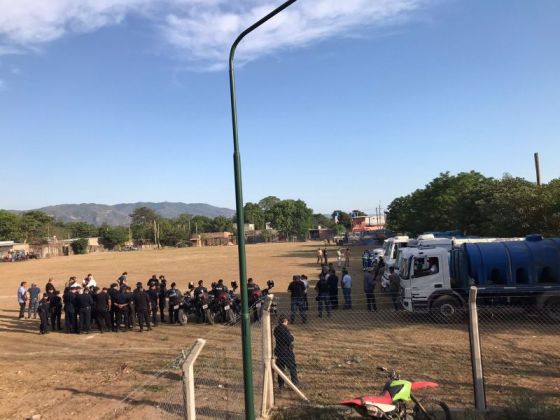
[(245, 319)]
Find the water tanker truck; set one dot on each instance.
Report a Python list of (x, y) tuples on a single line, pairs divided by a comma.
[(525, 272)]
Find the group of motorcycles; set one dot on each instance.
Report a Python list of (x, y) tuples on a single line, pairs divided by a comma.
[(215, 306)]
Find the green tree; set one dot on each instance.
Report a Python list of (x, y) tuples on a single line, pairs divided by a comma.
[(112, 237), (221, 224), (201, 224), (10, 226), (80, 246), (323, 221), (81, 229), (35, 226), (142, 224), (343, 218), (254, 214), (291, 217)]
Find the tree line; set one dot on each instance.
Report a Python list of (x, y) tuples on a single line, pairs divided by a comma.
[(291, 218), (480, 206)]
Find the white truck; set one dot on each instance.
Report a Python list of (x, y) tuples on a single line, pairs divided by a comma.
[(505, 272)]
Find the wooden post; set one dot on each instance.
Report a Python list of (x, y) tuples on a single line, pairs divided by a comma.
[(188, 380), (288, 381), (476, 356), (268, 380), (538, 169)]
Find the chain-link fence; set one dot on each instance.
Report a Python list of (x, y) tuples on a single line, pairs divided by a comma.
[(332, 354), (520, 354)]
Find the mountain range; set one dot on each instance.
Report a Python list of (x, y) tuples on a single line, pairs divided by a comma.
[(118, 214)]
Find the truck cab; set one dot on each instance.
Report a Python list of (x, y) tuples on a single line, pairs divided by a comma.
[(425, 278)]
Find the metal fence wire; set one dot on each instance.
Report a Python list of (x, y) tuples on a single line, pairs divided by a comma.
[(337, 352)]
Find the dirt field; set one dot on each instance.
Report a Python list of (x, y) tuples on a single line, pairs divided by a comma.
[(88, 376)]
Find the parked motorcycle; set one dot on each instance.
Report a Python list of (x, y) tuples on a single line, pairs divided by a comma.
[(259, 301), (221, 306), (392, 403), (187, 306), (203, 309)]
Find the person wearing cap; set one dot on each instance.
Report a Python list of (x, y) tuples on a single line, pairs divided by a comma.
[(141, 305), (284, 351)]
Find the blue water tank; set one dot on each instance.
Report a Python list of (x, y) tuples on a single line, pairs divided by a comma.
[(535, 261)]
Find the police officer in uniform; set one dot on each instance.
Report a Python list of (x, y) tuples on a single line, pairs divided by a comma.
[(121, 304), (85, 303), (284, 351), (43, 309), (174, 296), (141, 305), (113, 292), (161, 299), (153, 295), (56, 309), (198, 292), (69, 299), (102, 308)]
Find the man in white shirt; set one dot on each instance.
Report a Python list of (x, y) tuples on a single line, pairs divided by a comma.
[(22, 298), (90, 282), (347, 289)]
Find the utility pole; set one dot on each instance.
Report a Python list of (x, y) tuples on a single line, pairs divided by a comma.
[(245, 320), (538, 169)]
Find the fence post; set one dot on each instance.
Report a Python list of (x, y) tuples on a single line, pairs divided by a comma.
[(476, 357), (268, 380), (188, 379)]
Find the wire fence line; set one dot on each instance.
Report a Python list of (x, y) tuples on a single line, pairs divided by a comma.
[(336, 356)]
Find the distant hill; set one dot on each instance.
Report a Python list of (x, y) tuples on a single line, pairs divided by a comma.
[(117, 215)]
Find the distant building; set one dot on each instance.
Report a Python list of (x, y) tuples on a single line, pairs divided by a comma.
[(213, 239), (321, 233), (368, 223)]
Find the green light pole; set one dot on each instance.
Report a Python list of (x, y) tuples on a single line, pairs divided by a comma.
[(245, 320)]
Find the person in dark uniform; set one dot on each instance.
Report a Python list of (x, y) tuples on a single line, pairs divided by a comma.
[(121, 304), (153, 295), (161, 299), (174, 296), (297, 291), (199, 291), (153, 280), (102, 308), (332, 280), (49, 287), (141, 305), (284, 351), (219, 288), (113, 292), (56, 309), (43, 309), (322, 288), (122, 279), (130, 313), (69, 299), (85, 303)]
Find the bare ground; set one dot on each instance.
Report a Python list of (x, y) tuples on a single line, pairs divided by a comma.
[(128, 374)]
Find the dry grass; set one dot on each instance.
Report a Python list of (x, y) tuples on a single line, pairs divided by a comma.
[(64, 376)]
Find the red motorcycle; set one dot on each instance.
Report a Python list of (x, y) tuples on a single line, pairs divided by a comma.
[(392, 403)]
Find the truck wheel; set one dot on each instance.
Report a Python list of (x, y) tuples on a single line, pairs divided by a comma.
[(552, 308), (446, 309)]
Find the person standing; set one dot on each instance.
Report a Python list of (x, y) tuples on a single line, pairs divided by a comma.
[(153, 295), (121, 303), (174, 296), (55, 303), (394, 287), (339, 253), (347, 289), (305, 299), (43, 309), (69, 299), (161, 299), (102, 309), (322, 288), (347, 258), (34, 293), (113, 292), (369, 290), (297, 291), (320, 256), (325, 256), (332, 280), (22, 298), (284, 351), (85, 302), (122, 279), (142, 305), (49, 287)]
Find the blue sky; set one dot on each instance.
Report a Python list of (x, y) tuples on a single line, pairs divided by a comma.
[(342, 104)]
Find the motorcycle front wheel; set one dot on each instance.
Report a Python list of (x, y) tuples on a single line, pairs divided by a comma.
[(431, 409), (183, 319), (209, 315)]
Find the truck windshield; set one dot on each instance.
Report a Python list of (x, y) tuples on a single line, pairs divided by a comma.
[(387, 249)]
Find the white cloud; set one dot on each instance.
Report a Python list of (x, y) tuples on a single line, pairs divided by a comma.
[(202, 30)]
